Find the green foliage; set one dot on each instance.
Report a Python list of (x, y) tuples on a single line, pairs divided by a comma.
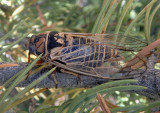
[(20, 18), (106, 88)]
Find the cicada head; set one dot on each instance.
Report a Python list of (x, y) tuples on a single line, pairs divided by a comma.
[(36, 45)]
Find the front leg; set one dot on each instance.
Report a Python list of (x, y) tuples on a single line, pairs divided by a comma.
[(71, 73), (54, 79)]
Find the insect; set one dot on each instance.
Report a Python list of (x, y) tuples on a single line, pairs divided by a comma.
[(97, 55)]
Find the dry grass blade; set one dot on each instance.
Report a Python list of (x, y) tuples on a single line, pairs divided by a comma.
[(43, 21), (8, 65), (110, 105), (19, 101), (103, 104), (106, 105), (41, 15), (143, 53)]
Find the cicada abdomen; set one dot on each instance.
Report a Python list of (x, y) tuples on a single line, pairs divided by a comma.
[(87, 55)]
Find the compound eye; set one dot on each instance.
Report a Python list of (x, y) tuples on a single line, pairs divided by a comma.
[(36, 40), (31, 48)]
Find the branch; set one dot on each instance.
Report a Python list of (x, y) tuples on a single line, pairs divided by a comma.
[(150, 79), (64, 80)]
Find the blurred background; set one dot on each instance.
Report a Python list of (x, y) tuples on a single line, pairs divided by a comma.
[(70, 16), (22, 18)]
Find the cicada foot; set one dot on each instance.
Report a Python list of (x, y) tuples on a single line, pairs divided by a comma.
[(71, 73), (55, 80), (39, 62)]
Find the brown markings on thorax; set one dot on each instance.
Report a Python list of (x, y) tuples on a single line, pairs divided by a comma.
[(69, 38)]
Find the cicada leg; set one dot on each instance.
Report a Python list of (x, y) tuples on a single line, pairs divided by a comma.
[(39, 62), (71, 73), (55, 80), (29, 57), (29, 60)]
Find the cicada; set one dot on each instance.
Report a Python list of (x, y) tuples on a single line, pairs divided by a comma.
[(97, 55)]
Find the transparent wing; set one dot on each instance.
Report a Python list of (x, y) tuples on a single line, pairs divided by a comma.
[(113, 39), (97, 54)]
